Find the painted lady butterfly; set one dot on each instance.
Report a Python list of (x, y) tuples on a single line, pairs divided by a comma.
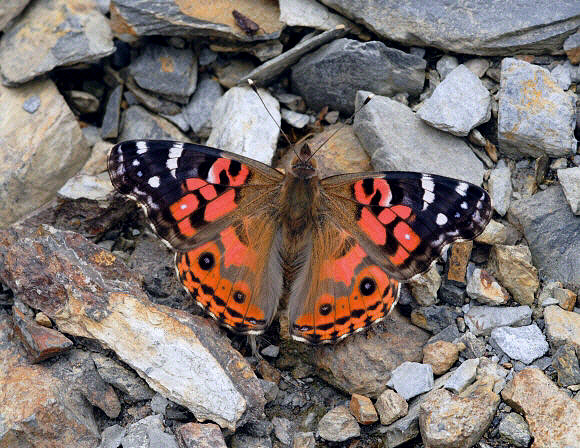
[(248, 236)]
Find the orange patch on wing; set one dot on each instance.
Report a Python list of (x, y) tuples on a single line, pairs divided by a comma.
[(185, 228), (379, 185), (400, 256), (240, 178), (184, 207), (236, 253), (406, 236), (208, 192), (220, 206), (387, 216), (372, 227), (243, 312), (402, 211), (194, 183), (342, 269)]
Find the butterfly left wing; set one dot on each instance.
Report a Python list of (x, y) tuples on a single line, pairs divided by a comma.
[(379, 228)]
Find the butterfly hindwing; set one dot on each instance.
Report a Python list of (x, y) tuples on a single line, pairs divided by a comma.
[(189, 191), (405, 220)]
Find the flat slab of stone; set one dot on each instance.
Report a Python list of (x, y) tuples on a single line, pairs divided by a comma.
[(198, 110), (562, 327), (553, 234), (481, 320), (570, 180), (53, 33), (325, 77), (138, 123), (534, 27), (535, 115), (311, 14), (459, 104), (411, 379), (42, 147), (397, 139), (523, 344)]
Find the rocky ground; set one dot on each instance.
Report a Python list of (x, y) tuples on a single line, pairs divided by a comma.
[(100, 345)]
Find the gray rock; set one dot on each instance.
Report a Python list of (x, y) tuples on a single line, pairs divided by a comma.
[(463, 376), (535, 27), (522, 343), (111, 437), (134, 18), (242, 125), (269, 70), (198, 111), (311, 14), (40, 151), (31, 104), (9, 9), (446, 65), (283, 429), (167, 71), (411, 379), (148, 432), (478, 66), (325, 77), (514, 429), (137, 95), (110, 125), (553, 234), (500, 187), (474, 347), (246, 441), (304, 440), (449, 334), (562, 75), (536, 116), (138, 123), (272, 351), (178, 120), (565, 362), (49, 34), (121, 378), (481, 320), (396, 139), (86, 186), (391, 406), (338, 425), (458, 104), (206, 57), (570, 180), (295, 119)]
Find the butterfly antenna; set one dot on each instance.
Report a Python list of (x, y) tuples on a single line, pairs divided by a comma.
[(347, 122), (255, 89)]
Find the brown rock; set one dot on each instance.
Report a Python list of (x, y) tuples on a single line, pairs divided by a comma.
[(458, 421), (513, 267), (458, 260), (40, 342), (562, 327), (391, 406), (363, 363), (551, 415), (338, 425), (566, 298), (485, 289), (494, 233), (197, 435), (363, 410), (441, 355), (43, 319), (424, 287), (268, 372)]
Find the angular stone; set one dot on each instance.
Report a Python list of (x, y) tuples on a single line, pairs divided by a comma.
[(552, 416), (485, 289), (11, 9), (482, 319), (448, 420), (304, 440), (500, 187), (389, 132), (338, 425), (478, 66), (548, 222), (434, 318), (363, 410), (534, 28), (138, 123), (562, 327), (53, 33), (571, 47), (570, 180), (295, 119), (566, 298), (440, 355), (311, 14), (463, 376), (321, 77), (565, 362), (167, 71), (475, 347), (283, 429), (41, 343), (85, 186), (425, 286), (198, 111), (513, 268), (240, 124), (240, 440), (446, 64), (83, 102), (459, 104), (498, 233), (460, 253), (411, 379), (514, 430), (536, 116), (391, 406), (136, 95), (31, 169), (134, 18), (110, 125), (523, 344), (111, 436), (187, 360), (148, 431)]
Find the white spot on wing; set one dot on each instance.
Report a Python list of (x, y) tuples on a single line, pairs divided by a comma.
[(139, 173), (171, 164), (176, 150), (428, 198), (464, 205), (142, 147), (427, 182), (441, 219), (461, 188), (154, 181)]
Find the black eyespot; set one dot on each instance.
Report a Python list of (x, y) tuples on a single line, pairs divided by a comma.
[(239, 297), (206, 261), (325, 309), (367, 286)]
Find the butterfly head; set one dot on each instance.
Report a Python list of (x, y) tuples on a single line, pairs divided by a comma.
[(303, 165)]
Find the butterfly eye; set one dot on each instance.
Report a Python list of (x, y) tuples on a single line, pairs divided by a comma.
[(206, 261), (239, 297), (367, 286), (325, 309)]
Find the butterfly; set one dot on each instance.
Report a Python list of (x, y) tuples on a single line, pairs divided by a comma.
[(335, 250)]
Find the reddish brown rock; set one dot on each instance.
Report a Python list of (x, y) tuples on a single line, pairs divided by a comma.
[(460, 254), (40, 342), (513, 267), (441, 355), (391, 406), (551, 414), (197, 435), (363, 410)]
